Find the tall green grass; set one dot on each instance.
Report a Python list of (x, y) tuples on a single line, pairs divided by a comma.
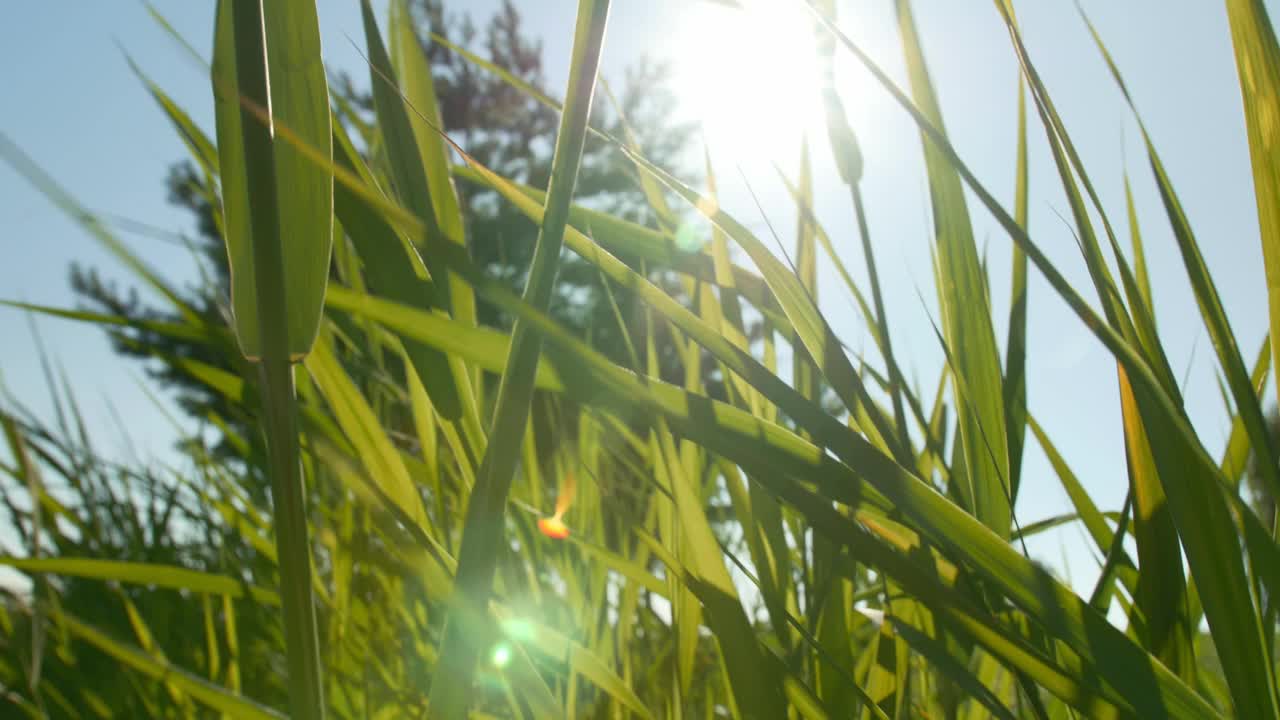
[(883, 571)]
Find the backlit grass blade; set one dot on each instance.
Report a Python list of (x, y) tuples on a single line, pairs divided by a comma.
[(418, 84), (360, 425), (402, 153), (848, 157), (1167, 628), (820, 341), (1235, 456), (1015, 362), (166, 576), (484, 528), (803, 376), (284, 206), (1087, 512), (1174, 429), (1139, 253), (752, 685), (966, 318), (300, 100), (304, 195), (1161, 592), (938, 510), (392, 269), (1258, 64), (812, 329), (198, 143)]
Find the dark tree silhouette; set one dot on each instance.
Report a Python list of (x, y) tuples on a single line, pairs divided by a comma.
[(502, 127)]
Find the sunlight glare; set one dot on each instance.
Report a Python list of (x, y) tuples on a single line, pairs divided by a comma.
[(554, 527), (501, 655), (750, 76)]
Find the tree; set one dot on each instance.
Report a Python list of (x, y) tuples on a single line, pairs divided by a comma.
[(500, 126), (1262, 498)]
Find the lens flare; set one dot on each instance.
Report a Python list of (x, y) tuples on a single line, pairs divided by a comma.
[(501, 655), (554, 527)]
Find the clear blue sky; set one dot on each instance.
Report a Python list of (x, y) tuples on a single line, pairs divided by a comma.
[(71, 103)]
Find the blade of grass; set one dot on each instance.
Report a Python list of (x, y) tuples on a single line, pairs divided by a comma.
[(414, 72), (1015, 363), (484, 526), (166, 576), (1258, 63), (282, 318), (966, 318)]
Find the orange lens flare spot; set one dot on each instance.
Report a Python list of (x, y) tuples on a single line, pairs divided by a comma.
[(553, 527)]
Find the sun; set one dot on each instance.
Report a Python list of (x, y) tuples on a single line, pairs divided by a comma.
[(750, 75)]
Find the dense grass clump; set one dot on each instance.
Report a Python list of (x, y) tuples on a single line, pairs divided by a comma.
[(725, 542)]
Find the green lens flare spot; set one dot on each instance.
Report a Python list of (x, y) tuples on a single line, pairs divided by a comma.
[(501, 655)]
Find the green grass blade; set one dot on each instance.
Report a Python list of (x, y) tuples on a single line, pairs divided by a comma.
[(288, 215), (1161, 593), (779, 454), (966, 318), (1235, 457), (416, 80), (389, 265), (1139, 253), (658, 249), (1015, 363), (300, 101), (166, 576), (408, 175), (304, 188), (1209, 301), (1258, 63), (483, 528), (360, 426)]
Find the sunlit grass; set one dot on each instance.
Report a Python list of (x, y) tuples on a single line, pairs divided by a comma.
[(827, 542)]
